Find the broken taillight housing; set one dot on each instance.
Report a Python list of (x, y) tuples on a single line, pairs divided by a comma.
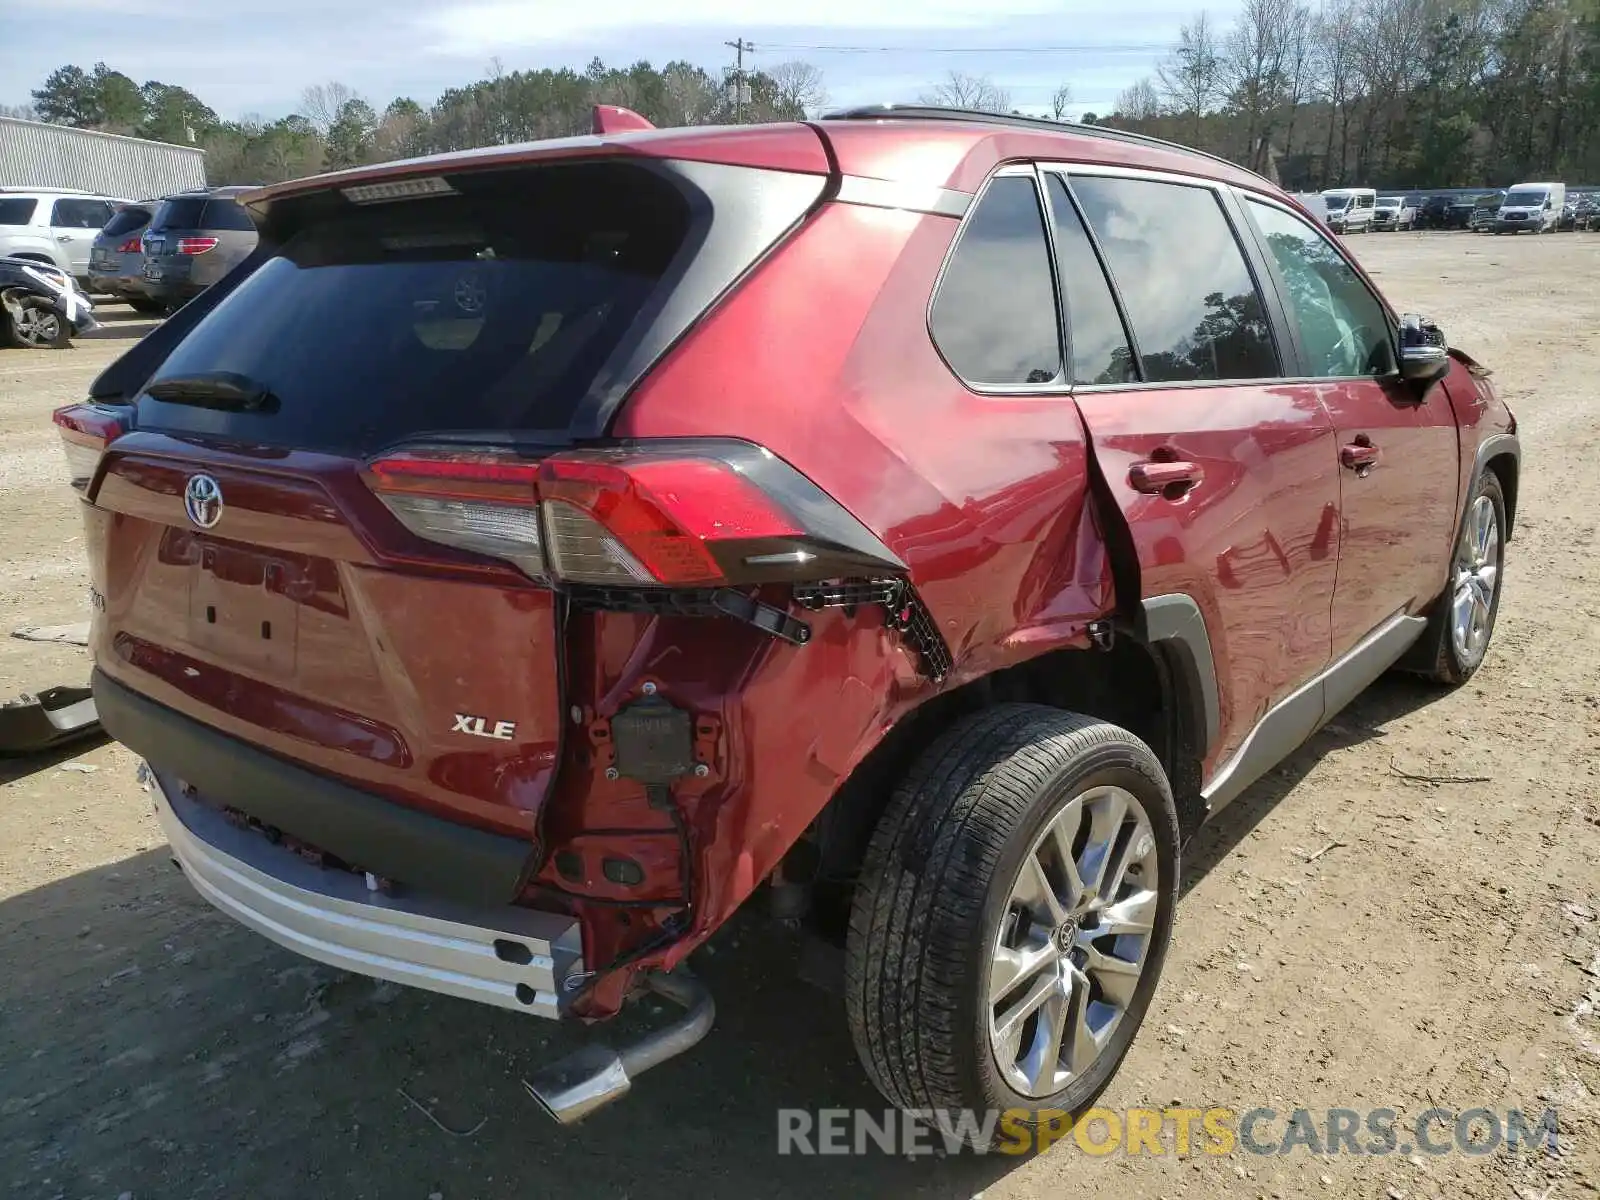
[(654, 514), (86, 430)]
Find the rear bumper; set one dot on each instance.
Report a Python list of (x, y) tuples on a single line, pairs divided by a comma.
[(438, 857), (513, 958)]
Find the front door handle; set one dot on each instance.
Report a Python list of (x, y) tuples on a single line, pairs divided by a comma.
[(1359, 456), (1169, 479)]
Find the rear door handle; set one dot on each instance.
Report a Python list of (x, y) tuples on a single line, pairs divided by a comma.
[(1170, 479), (1359, 456)]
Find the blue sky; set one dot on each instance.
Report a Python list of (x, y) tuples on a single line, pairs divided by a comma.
[(255, 56)]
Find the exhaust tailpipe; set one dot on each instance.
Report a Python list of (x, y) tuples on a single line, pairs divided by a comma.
[(571, 1088)]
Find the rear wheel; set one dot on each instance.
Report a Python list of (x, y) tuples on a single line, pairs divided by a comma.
[(1457, 638), (1013, 914), (35, 326)]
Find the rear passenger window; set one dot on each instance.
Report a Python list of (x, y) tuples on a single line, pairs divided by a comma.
[(1099, 350), (995, 318), (225, 214), (80, 214), (1194, 309)]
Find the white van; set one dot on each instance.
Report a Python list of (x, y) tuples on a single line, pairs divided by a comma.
[(1314, 204), (1350, 209), (1535, 206)]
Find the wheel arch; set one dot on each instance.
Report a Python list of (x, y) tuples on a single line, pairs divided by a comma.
[(1502, 454)]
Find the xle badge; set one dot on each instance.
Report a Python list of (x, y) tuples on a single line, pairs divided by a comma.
[(480, 727)]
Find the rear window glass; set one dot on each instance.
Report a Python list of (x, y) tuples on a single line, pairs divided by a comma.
[(16, 210), (225, 214), (181, 212), (128, 219), (493, 310)]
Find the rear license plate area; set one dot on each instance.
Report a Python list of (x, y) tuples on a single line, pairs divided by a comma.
[(242, 609)]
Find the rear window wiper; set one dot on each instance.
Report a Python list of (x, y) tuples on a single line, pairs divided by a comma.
[(225, 390)]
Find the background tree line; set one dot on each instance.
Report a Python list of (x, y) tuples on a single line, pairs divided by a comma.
[(1391, 93), (335, 127)]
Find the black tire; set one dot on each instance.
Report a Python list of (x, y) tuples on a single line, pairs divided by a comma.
[(146, 305), (1436, 655), (15, 337), (936, 885)]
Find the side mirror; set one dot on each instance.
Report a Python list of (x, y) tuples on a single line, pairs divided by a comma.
[(1424, 353)]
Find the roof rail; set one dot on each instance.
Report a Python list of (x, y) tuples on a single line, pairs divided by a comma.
[(939, 112)]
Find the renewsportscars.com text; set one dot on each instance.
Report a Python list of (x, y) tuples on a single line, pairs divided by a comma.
[(1166, 1131)]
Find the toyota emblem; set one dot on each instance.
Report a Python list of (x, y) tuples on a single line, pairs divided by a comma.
[(202, 500)]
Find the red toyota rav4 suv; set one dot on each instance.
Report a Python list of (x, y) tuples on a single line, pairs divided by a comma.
[(529, 552)]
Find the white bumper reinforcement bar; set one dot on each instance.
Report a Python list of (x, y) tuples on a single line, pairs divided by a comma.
[(511, 957)]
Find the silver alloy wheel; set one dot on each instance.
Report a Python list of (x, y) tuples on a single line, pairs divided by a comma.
[(1072, 945), (1477, 575), (37, 326)]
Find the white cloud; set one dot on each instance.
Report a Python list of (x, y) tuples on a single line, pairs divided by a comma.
[(475, 29)]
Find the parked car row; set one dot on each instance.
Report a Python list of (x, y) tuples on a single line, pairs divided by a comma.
[(158, 254), (1536, 207), (57, 246)]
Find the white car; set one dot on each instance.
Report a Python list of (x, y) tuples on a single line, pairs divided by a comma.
[(1394, 212), (53, 225), (1350, 209)]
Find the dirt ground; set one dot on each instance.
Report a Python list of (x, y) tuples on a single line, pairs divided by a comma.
[(1443, 949)]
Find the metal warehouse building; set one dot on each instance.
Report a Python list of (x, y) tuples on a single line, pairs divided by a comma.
[(36, 155)]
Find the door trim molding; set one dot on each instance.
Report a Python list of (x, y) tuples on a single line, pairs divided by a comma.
[(1303, 711)]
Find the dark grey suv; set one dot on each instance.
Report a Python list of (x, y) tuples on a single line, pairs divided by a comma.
[(194, 239)]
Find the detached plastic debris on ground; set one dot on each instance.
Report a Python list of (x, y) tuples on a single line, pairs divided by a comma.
[(32, 723)]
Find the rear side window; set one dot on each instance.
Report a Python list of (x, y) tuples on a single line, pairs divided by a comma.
[(181, 212), (1099, 345), (128, 219), (994, 318), (489, 311), (80, 214), (1189, 296), (16, 210), (225, 214)]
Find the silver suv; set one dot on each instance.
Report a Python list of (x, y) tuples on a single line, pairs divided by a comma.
[(53, 225)]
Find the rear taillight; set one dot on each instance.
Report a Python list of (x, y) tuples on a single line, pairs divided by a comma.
[(132, 246), (687, 514), (196, 245), (86, 430), (653, 520)]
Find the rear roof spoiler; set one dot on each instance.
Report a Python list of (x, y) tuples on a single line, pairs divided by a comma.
[(613, 118)]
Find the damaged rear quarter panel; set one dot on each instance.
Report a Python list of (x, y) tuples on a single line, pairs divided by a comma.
[(983, 496)]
